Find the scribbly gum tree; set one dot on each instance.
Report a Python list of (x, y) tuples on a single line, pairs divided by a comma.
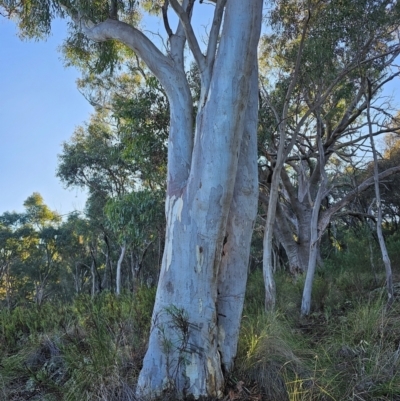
[(212, 184)]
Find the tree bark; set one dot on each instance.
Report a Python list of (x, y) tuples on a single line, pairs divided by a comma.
[(202, 188), (382, 244), (313, 252), (183, 354), (119, 266), (93, 274), (233, 272), (295, 240)]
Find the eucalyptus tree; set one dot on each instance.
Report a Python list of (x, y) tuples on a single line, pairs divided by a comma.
[(93, 160), (121, 150), (74, 240), (137, 220), (322, 54), (10, 248), (29, 246), (42, 225), (211, 177)]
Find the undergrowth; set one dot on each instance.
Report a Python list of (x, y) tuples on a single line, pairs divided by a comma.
[(91, 349), (347, 349)]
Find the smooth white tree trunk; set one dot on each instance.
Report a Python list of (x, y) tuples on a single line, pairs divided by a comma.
[(282, 151), (269, 282), (183, 353), (382, 244), (314, 233), (185, 346), (313, 253), (119, 267), (233, 271)]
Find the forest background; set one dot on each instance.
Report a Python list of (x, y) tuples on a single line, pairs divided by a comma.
[(73, 329)]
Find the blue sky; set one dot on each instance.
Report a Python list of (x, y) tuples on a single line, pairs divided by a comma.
[(40, 107)]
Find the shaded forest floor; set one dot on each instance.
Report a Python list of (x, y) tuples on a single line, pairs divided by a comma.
[(347, 349)]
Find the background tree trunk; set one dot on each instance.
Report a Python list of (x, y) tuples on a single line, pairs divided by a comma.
[(119, 266), (382, 244), (314, 233)]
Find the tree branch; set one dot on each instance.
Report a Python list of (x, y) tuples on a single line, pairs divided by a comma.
[(190, 36), (327, 214), (346, 70), (159, 64), (214, 33), (290, 190), (363, 137), (164, 10), (206, 72)]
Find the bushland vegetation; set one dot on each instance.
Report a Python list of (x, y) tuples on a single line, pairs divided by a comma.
[(213, 134), (348, 348)]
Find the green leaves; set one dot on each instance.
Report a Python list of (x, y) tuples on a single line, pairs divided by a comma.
[(38, 213), (336, 32), (136, 217), (29, 250), (93, 159), (33, 17)]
